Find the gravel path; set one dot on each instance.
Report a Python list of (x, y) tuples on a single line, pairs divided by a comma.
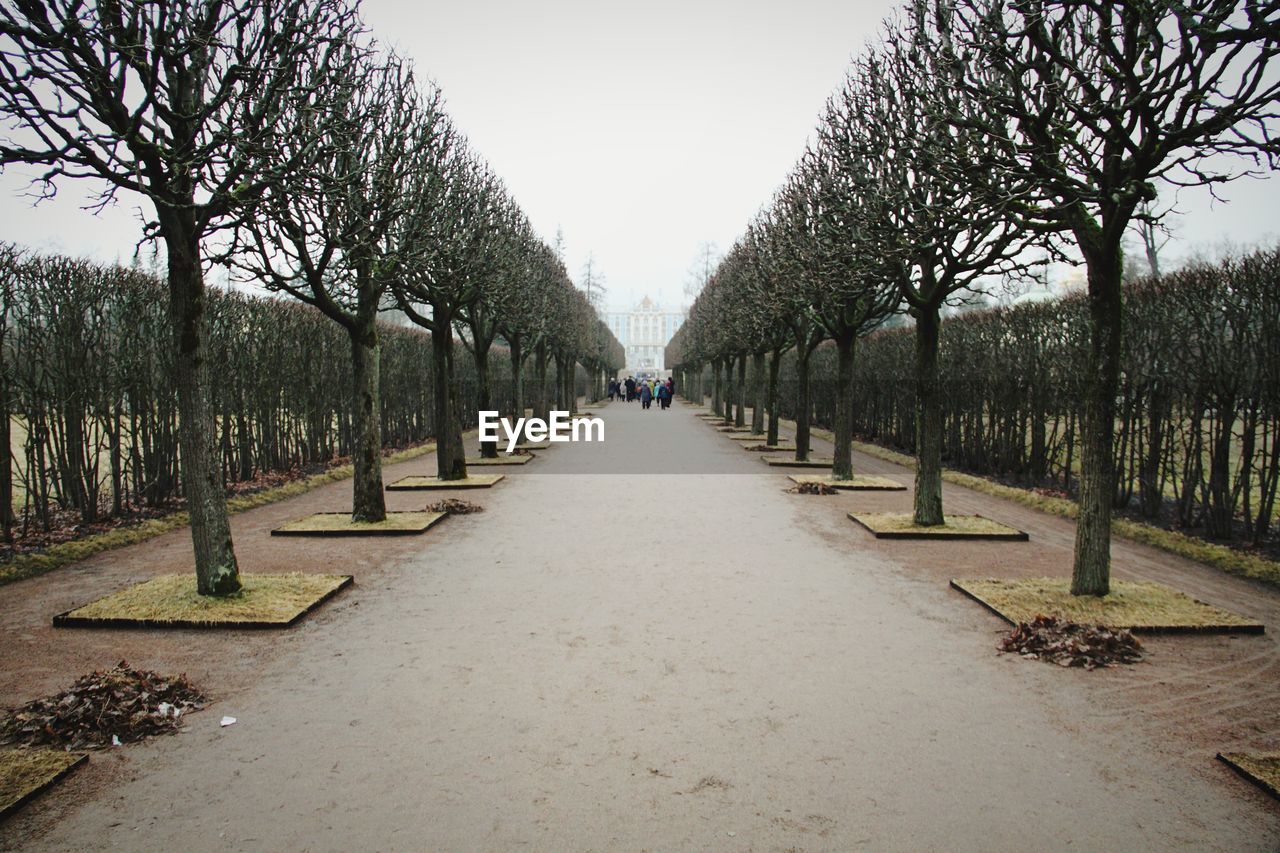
[(667, 661)]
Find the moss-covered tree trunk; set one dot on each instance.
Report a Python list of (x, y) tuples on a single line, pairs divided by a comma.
[(842, 464), (217, 572), (367, 501), (927, 509)]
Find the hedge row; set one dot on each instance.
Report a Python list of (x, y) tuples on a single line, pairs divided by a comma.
[(87, 392)]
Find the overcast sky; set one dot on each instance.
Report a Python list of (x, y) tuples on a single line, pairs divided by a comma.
[(640, 130)]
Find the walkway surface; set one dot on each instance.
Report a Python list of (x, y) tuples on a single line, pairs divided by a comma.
[(686, 659)]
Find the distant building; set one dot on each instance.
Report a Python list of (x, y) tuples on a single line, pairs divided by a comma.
[(644, 333)]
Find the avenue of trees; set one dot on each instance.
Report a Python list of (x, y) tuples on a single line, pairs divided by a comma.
[(976, 134), (278, 140)]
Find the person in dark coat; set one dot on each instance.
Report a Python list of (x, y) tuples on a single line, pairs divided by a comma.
[(646, 396)]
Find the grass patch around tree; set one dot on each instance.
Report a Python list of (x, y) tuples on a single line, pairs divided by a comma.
[(471, 481), (24, 773), (901, 525), (747, 435), (171, 601), (1262, 769), (857, 483), (341, 524), (1138, 606), (501, 459)]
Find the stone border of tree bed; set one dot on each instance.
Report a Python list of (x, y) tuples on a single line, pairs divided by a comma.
[(1220, 557), (1231, 759), (65, 553)]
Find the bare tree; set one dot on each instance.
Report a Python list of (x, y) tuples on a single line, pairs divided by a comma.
[(333, 235), (454, 223), (790, 229), (1096, 102), (10, 262), (704, 264), (852, 283), (480, 320), (593, 284), (525, 324), (177, 102), (941, 228)]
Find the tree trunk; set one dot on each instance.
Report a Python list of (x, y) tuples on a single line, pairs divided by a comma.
[(928, 495), (842, 465), (542, 408), (517, 377), (6, 461), (1091, 573), (715, 386), (450, 464), (775, 363), (757, 393), (802, 403), (740, 392), (368, 502), (217, 572), (484, 395)]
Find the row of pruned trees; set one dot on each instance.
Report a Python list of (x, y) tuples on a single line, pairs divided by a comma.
[(972, 131), (277, 139), (1197, 440)]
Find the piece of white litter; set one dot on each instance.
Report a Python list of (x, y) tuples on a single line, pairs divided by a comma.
[(227, 721), (115, 740), (166, 709)]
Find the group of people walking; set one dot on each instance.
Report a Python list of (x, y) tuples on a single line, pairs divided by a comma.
[(644, 390)]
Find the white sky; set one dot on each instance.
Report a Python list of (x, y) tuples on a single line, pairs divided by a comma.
[(641, 130)]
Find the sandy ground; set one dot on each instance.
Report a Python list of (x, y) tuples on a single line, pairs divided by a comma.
[(661, 661)]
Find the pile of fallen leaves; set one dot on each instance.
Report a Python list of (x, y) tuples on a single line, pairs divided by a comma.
[(1070, 644), (454, 506), (762, 448), (812, 489), (104, 709)]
